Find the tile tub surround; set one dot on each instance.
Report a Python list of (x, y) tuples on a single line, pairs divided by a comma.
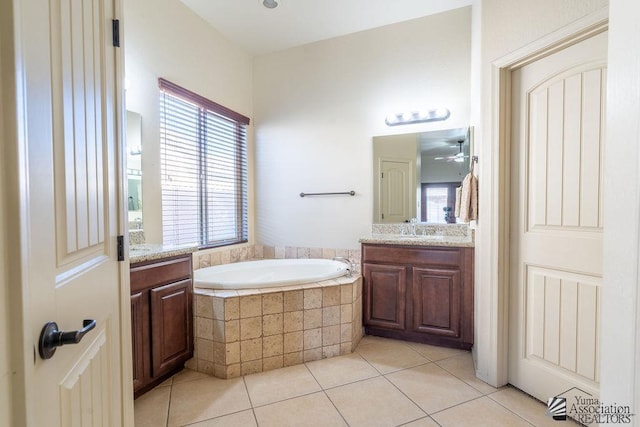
[(248, 331)]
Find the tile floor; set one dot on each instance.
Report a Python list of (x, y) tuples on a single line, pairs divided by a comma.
[(383, 383)]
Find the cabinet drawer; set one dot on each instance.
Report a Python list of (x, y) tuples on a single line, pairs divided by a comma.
[(411, 255), (148, 275)]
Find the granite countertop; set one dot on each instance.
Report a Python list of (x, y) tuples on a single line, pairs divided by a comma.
[(149, 252), (419, 240)]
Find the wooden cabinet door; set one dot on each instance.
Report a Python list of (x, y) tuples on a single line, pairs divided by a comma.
[(437, 301), (140, 338), (385, 295), (171, 326)]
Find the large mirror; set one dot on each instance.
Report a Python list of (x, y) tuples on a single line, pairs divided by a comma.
[(416, 175), (134, 169)]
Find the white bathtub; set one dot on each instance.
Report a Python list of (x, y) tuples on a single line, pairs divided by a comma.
[(268, 273)]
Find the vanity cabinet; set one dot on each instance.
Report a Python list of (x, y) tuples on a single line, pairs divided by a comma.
[(422, 294), (161, 319)]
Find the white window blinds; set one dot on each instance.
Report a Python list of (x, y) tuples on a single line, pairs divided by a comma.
[(204, 170)]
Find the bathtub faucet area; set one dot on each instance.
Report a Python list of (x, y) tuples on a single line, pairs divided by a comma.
[(346, 261)]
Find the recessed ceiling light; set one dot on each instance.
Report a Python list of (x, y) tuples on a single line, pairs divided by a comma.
[(270, 4)]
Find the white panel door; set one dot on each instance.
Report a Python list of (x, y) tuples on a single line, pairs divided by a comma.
[(71, 268), (556, 220), (396, 190)]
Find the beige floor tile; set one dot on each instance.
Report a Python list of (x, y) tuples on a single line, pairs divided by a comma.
[(462, 367), (188, 375), (388, 355), (373, 402), (206, 398), (310, 410), (422, 422), (434, 353), (526, 406), (432, 388), (482, 412), (280, 384), (341, 370), (151, 408), (166, 382), (239, 419)]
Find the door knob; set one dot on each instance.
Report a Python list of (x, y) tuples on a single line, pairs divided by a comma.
[(51, 337)]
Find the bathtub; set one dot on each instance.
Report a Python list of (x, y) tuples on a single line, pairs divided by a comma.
[(268, 273)]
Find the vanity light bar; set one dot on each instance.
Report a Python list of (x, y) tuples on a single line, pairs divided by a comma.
[(435, 115)]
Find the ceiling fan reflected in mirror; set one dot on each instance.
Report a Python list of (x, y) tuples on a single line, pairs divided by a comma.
[(458, 157)]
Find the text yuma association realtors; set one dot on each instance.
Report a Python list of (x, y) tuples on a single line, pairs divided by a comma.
[(587, 410)]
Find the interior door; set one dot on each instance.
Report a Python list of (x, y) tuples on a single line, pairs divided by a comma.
[(556, 220), (71, 268), (396, 190)]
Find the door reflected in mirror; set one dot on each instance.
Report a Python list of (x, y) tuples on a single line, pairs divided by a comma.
[(134, 169), (416, 175)]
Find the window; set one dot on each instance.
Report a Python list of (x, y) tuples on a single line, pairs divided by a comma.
[(436, 199), (203, 160)]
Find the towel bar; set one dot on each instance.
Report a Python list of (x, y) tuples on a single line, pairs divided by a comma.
[(350, 193)]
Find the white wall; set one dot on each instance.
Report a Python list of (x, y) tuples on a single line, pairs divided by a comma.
[(163, 38), (505, 25), (620, 351), (318, 106), (441, 171)]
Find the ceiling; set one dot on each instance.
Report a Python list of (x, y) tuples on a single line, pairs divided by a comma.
[(258, 30)]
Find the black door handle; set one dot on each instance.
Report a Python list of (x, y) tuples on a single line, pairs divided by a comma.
[(51, 337)]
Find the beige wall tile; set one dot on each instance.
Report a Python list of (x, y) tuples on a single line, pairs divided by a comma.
[(204, 349), (293, 300), (315, 253), (346, 332), (204, 307), (331, 315), (328, 253), (253, 367), (258, 251), (331, 351), (206, 367), (218, 308), (293, 321), (313, 354), (303, 252), (218, 332), (293, 342), (272, 346), (219, 353), (204, 260), (250, 327), (192, 363), (331, 296), (312, 298), (232, 353), (204, 328), (231, 308), (295, 358), (250, 306), (346, 348), (220, 371), (225, 257), (279, 252), (342, 253), (272, 303), (233, 371), (313, 338), (346, 313), (290, 252), (346, 294), (274, 362), (313, 318), (215, 258), (331, 335), (272, 324), (268, 252), (232, 330), (250, 350)]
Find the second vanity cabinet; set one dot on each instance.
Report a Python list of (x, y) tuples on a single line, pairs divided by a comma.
[(419, 293), (161, 319)]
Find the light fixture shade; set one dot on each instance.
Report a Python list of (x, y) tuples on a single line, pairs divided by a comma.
[(270, 4), (434, 115)]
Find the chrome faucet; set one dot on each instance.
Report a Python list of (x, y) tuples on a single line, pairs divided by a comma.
[(414, 222), (346, 261)]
